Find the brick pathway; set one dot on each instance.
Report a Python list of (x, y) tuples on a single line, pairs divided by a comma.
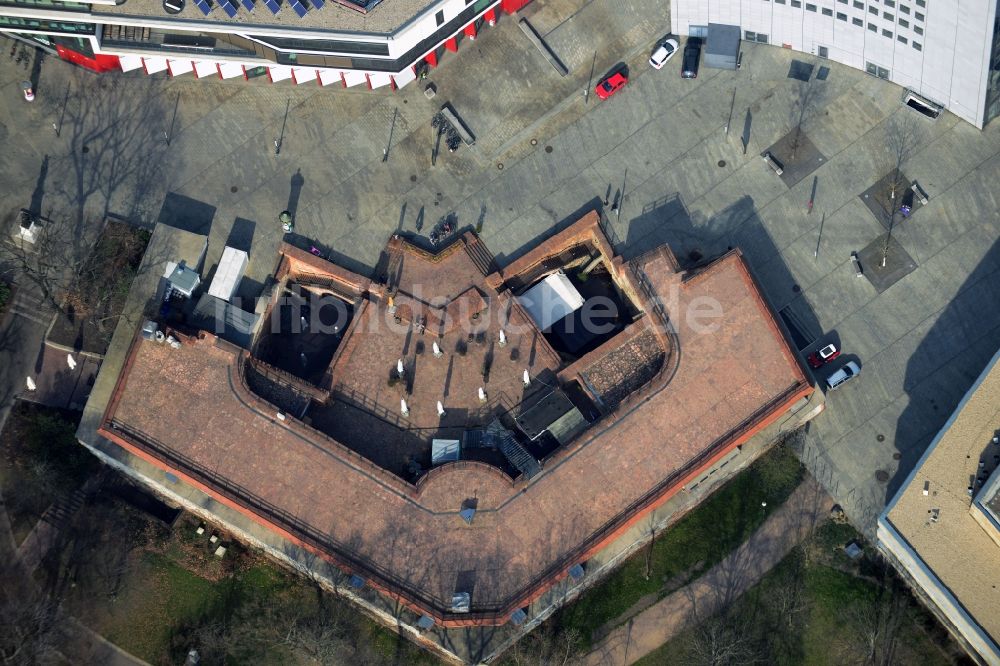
[(721, 585)]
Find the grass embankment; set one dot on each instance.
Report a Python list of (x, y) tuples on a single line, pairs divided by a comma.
[(818, 607), (176, 595), (688, 548)]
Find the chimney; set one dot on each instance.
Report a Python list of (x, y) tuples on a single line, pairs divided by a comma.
[(441, 411), (403, 408)]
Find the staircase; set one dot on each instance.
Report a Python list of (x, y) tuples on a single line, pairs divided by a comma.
[(518, 456), (481, 257), (60, 512)]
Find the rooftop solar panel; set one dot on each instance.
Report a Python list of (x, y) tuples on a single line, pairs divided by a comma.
[(318, 4), (298, 7), (228, 7), (203, 6), (247, 4), (272, 5)]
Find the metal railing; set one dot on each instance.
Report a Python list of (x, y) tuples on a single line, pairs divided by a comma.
[(354, 398), (284, 520)]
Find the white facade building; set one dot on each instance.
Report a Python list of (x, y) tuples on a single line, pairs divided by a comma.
[(371, 43), (948, 51)]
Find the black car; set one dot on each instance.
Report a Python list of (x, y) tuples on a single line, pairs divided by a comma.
[(692, 55)]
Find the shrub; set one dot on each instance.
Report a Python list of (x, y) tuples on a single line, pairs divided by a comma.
[(5, 294)]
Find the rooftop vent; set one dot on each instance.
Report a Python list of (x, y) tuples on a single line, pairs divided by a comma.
[(149, 329), (468, 511), (445, 450), (173, 6), (461, 602)]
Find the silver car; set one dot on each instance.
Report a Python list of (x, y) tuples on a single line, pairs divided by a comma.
[(664, 52), (839, 378)]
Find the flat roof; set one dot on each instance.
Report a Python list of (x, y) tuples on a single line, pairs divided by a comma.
[(941, 526), (442, 299), (189, 410), (385, 18)]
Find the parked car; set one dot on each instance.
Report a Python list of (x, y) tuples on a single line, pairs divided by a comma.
[(839, 378), (664, 52), (692, 56), (611, 84), (822, 356)]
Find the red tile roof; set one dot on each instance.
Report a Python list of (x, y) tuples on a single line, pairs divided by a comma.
[(189, 410)]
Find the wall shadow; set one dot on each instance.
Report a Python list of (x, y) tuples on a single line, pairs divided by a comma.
[(946, 363), (241, 234), (344, 261), (187, 214), (503, 259), (696, 240)]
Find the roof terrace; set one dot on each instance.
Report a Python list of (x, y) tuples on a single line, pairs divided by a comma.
[(371, 18), (647, 418)]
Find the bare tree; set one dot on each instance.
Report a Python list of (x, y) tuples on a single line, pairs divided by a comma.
[(875, 623), (546, 646), (28, 621), (114, 164), (726, 639), (110, 559), (320, 635), (809, 97), (902, 135)]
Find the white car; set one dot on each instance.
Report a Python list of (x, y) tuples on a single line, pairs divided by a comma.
[(837, 379), (663, 53)]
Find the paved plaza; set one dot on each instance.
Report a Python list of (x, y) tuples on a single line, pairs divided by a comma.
[(201, 154)]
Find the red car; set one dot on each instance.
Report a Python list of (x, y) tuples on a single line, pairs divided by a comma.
[(609, 85), (823, 356)]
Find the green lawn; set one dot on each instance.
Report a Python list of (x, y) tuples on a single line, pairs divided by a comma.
[(699, 540), (835, 604), (159, 595), (234, 610)]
